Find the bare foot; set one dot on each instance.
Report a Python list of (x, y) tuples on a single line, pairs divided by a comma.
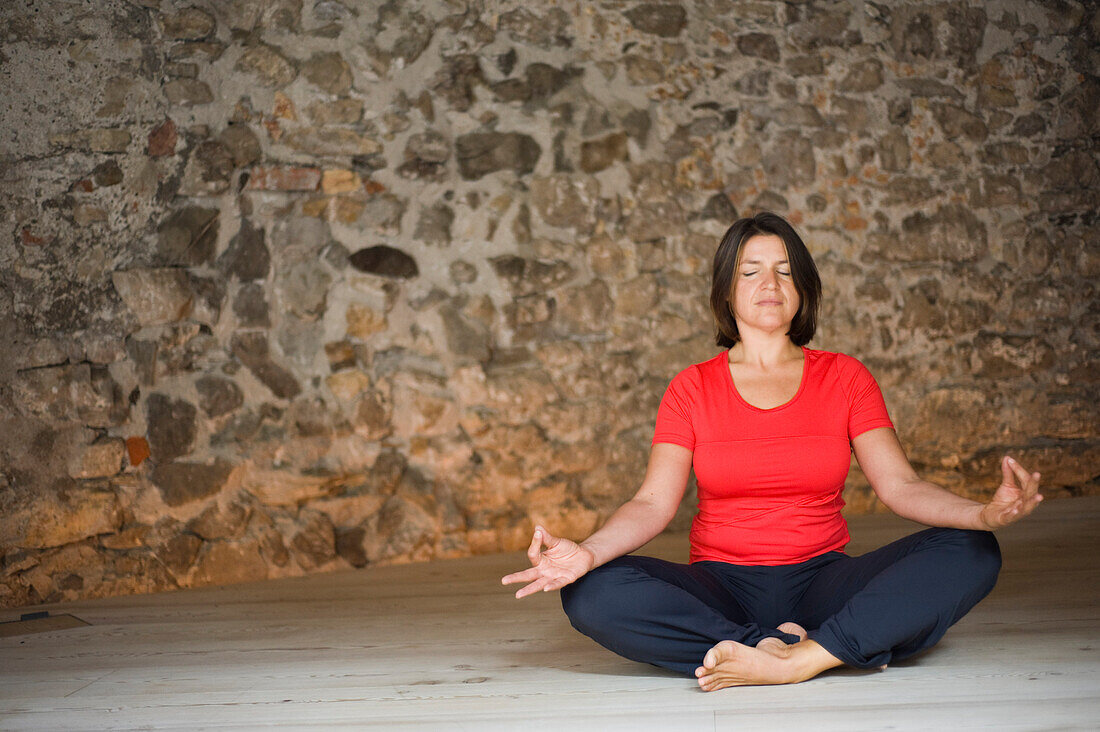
[(774, 646), (733, 664), (777, 647), (794, 629)]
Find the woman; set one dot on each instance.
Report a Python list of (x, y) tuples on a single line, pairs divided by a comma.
[(769, 426)]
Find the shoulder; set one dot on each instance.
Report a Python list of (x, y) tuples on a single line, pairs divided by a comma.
[(701, 374), (697, 380), (847, 372), (842, 363)]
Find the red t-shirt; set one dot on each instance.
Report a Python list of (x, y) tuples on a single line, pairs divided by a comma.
[(770, 480)]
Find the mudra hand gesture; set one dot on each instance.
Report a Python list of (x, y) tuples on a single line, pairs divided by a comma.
[(561, 563), (1016, 497)]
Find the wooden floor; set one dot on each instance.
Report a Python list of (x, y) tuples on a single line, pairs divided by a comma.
[(444, 646)]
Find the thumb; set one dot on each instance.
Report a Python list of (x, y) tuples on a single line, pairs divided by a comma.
[(1008, 477)]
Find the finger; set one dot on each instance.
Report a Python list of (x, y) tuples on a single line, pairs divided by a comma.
[(530, 589), (556, 584), (526, 575), (1006, 471), (549, 539), (534, 552), (1027, 482)]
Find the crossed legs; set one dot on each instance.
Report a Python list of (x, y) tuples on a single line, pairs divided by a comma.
[(862, 611)]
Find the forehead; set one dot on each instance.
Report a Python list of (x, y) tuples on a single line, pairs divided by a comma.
[(763, 247)]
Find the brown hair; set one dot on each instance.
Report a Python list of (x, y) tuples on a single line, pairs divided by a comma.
[(803, 272)]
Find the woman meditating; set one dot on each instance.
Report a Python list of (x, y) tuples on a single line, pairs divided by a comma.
[(770, 597)]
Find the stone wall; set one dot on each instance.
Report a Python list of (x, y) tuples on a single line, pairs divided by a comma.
[(292, 285)]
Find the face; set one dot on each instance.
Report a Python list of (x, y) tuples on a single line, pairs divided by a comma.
[(764, 297)]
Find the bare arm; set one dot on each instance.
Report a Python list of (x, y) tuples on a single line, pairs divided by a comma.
[(649, 511), (898, 486), (633, 524)]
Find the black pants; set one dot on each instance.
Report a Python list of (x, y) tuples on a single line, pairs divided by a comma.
[(868, 610)]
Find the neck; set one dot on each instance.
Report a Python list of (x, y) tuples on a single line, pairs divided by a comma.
[(764, 351)]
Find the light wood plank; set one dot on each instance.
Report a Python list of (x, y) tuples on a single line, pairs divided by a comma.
[(444, 646)]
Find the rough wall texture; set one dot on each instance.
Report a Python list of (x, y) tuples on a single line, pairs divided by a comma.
[(289, 286)]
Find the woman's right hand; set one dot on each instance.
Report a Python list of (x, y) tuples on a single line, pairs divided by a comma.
[(562, 562)]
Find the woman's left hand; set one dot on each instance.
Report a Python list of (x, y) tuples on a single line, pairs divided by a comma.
[(1016, 497)]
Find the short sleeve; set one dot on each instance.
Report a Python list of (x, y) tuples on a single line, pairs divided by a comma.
[(866, 407), (674, 416)]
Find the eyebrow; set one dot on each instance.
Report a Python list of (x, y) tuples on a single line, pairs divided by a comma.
[(758, 261)]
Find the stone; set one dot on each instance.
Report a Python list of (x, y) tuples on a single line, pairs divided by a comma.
[(188, 92), (218, 395), (956, 121), (585, 309), (331, 142), (189, 24), (63, 514), (651, 220), (597, 155), (336, 112), (719, 207), (155, 296), (251, 349), (849, 113), (565, 201), (101, 459), (455, 82), (93, 140), (304, 289), (481, 153), (758, 45), (107, 174), (137, 450), (1004, 356), (242, 144), (660, 19), (284, 178), (530, 276), (340, 180), (893, 150), (952, 233), (466, 338), (181, 483), (385, 261), (162, 140), (208, 170), (268, 64), (643, 70), (544, 80), (364, 321), (545, 31), (434, 225), (314, 544), (222, 562), (349, 546), (862, 76), (330, 72), (811, 65), (790, 161), (250, 307), (347, 385), (462, 272), (221, 522), (247, 257), (426, 155), (171, 426), (422, 407)]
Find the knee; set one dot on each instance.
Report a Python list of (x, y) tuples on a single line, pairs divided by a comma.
[(981, 553), (581, 602), (591, 601)]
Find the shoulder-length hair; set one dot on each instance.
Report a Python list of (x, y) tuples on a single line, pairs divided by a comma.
[(803, 273)]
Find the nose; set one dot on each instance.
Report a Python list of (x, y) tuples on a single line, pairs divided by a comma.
[(770, 279)]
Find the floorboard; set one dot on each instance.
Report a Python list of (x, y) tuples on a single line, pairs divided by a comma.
[(443, 646)]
